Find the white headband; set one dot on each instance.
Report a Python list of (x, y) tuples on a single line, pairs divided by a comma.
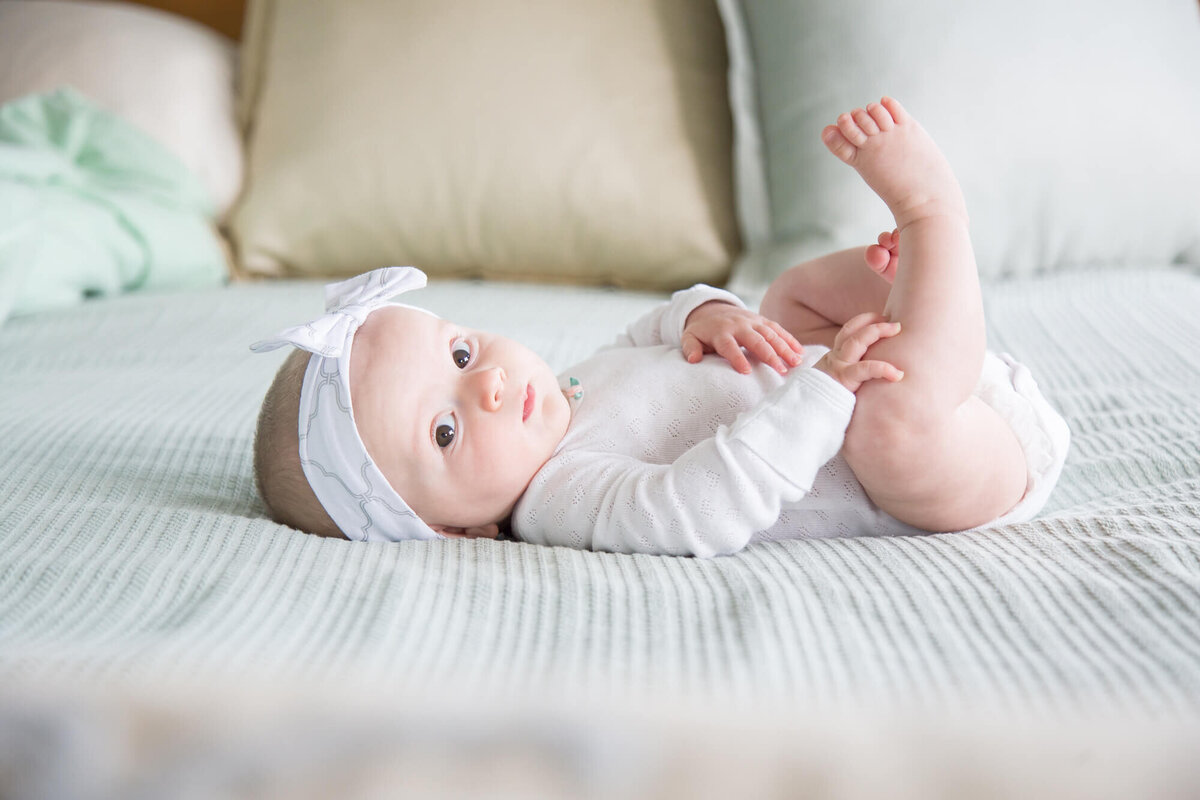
[(343, 476)]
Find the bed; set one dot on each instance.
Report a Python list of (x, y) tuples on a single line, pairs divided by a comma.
[(160, 635)]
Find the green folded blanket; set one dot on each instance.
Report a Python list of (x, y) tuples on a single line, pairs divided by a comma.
[(90, 206)]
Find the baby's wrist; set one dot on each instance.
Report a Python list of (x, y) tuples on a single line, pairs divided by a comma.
[(710, 305), (825, 364)]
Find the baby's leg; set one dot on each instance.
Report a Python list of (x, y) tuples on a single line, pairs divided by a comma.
[(815, 299), (926, 450)]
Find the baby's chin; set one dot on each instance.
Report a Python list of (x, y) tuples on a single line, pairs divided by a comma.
[(561, 407)]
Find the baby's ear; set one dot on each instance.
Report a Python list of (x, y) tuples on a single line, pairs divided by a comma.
[(490, 531)]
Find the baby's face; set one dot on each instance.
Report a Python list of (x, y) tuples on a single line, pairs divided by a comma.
[(458, 420)]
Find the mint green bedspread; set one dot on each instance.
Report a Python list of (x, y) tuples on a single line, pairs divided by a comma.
[(132, 543), (91, 206)]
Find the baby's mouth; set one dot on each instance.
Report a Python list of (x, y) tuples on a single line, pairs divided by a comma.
[(530, 396)]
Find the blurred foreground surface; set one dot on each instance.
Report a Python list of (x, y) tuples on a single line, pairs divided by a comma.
[(274, 740)]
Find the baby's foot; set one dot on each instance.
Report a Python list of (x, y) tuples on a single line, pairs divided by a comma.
[(898, 160), (883, 257)]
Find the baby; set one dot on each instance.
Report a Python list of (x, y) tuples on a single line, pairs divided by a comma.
[(706, 427)]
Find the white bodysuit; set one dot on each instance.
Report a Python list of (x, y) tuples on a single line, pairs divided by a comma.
[(667, 457)]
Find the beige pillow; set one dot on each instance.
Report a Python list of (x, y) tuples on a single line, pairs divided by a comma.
[(586, 141)]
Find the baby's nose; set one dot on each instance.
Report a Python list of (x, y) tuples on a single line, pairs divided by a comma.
[(491, 388)]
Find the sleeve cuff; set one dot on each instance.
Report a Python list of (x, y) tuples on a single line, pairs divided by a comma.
[(684, 302), (813, 411)]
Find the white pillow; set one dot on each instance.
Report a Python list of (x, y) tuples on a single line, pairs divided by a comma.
[(1072, 125), (169, 76)]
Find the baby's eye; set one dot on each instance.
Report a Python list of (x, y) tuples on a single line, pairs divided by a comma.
[(444, 428), (460, 351)]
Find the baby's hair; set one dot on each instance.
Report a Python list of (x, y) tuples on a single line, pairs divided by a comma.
[(277, 472)]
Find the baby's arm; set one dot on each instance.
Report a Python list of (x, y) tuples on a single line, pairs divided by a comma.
[(712, 499), (722, 491)]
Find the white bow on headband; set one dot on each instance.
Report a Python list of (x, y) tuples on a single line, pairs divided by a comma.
[(346, 480), (347, 305)]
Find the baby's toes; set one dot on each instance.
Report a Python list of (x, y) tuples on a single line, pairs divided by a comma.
[(878, 257), (897, 112), (889, 271), (881, 116), (882, 262), (838, 144), (865, 121), (850, 129)]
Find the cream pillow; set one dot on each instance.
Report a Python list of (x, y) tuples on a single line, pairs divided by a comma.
[(586, 141), (169, 76)]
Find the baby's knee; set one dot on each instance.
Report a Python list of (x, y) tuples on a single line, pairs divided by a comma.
[(782, 296)]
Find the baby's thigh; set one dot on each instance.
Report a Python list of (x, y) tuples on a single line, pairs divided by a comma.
[(937, 472)]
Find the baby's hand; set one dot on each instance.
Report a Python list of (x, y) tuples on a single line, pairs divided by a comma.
[(723, 328), (844, 361)]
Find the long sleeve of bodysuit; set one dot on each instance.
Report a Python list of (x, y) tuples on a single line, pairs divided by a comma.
[(664, 324), (712, 498)]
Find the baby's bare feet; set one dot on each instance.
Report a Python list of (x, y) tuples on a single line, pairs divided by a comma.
[(883, 258), (898, 160)]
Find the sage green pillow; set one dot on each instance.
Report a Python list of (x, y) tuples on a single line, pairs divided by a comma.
[(1072, 125)]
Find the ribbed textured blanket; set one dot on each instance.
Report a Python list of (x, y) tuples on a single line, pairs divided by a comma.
[(132, 543)]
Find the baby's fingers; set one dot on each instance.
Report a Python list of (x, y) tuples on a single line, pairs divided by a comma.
[(865, 371), (764, 350), (787, 346), (854, 346), (728, 347), (857, 323), (693, 349), (770, 348)]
